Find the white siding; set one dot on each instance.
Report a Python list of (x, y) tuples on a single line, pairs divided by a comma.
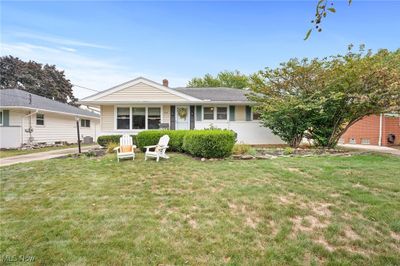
[(249, 132), (58, 128)]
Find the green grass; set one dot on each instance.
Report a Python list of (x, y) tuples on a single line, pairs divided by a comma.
[(16, 152), (302, 211)]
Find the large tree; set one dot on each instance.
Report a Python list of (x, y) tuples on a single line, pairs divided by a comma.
[(44, 80), (356, 85), (324, 97), (282, 94), (230, 79)]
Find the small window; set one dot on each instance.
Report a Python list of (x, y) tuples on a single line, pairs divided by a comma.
[(208, 113), (222, 113), (1, 118), (352, 141), (138, 118), (40, 119), (85, 123), (123, 121), (365, 141), (153, 118)]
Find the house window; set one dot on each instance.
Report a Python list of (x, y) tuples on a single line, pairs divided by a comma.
[(222, 113), (365, 141), (208, 113), (153, 118), (85, 123), (40, 119), (1, 118), (138, 117), (123, 121), (352, 141)]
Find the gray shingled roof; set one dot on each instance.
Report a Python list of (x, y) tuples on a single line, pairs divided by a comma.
[(20, 98), (216, 94)]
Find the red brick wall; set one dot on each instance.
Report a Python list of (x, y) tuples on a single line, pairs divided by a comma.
[(391, 125), (368, 128)]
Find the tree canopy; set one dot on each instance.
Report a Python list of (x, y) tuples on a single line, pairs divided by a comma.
[(324, 97), (230, 79), (44, 80)]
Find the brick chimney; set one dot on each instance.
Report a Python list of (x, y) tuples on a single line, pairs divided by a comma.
[(165, 82)]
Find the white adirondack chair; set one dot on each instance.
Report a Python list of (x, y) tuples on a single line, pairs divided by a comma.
[(158, 150), (126, 148)]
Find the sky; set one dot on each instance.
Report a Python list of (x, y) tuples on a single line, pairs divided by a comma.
[(100, 44)]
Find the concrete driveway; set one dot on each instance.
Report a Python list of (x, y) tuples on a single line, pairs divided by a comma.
[(380, 149), (42, 155)]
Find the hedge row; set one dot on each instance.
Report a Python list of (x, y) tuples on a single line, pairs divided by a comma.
[(151, 137), (199, 143), (104, 140)]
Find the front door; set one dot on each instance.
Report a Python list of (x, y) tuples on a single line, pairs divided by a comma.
[(182, 117)]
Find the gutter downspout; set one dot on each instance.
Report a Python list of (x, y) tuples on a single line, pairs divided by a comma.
[(30, 114), (380, 129)]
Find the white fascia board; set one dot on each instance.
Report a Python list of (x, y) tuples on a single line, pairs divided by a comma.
[(48, 111), (134, 82), (98, 103)]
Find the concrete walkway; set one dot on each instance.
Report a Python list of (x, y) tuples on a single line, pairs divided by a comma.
[(42, 155), (380, 149)]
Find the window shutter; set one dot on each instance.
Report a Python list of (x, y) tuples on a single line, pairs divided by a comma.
[(6, 118), (191, 117), (198, 113), (172, 117), (231, 113), (248, 113)]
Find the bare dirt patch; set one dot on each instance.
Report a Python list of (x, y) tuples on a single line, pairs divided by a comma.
[(395, 236), (350, 234)]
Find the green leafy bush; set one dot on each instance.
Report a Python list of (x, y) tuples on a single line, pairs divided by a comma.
[(209, 143), (106, 139), (151, 137), (288, 151)]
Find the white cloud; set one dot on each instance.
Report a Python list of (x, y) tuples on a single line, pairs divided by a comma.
[(98, 74), (60, 41), (68, 49)]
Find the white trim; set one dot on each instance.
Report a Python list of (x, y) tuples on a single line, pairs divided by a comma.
[(48, 111), (227, 113), (133, 83), (380, 129)]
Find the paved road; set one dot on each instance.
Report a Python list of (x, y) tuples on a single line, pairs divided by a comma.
[(380, 149), (42, 155)]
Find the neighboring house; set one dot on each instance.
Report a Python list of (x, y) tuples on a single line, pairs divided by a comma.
[(27, 118), (382, 130), (142, 104)]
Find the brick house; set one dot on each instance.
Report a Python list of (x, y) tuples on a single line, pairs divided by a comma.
[(382, 130)]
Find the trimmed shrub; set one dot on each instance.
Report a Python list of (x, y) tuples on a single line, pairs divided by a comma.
[(106, 139), (151, 137), (209, 143)]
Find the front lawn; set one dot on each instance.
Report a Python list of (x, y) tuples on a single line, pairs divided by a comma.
[(310, 210), (17, 152)]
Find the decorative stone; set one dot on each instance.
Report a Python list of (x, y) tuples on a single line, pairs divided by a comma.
[(203, 159), (247, 157)]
